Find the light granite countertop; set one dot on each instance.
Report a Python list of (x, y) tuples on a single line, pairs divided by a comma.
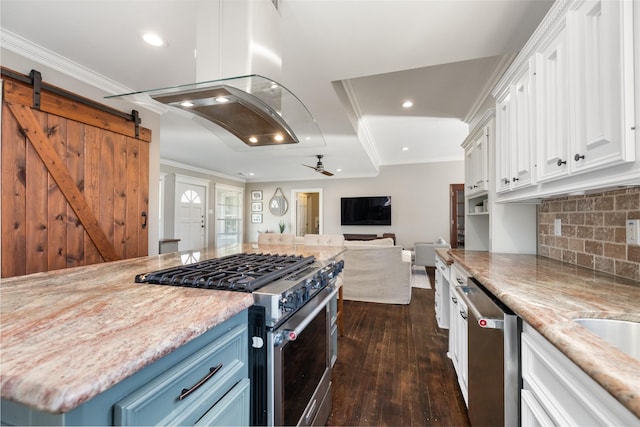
[(549, 294), (68, 335)]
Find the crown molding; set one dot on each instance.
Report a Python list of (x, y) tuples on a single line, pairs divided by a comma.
[(491, 82), (363, 132), (39, 54), (552, 19), (167, 162)]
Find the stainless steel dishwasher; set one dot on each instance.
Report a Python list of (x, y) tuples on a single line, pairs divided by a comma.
[(494, 355)]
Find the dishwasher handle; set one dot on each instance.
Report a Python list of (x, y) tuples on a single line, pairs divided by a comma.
[(489, 323), (484, 321)]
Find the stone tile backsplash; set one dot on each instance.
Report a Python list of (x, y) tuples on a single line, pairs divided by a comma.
[(593, 231)]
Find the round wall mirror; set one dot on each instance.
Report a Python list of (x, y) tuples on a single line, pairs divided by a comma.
[(278, 204)]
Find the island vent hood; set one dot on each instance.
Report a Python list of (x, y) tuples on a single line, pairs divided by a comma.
[(255, 109)]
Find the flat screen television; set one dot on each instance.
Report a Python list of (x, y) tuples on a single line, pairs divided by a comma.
[(365, 210)]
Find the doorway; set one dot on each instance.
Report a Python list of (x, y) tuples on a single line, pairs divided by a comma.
[(190, 217), (456, 234), (306, 212)]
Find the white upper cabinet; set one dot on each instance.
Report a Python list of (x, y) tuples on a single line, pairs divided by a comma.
[(515, 142), (476, 162), (565, 107), (600, 34), (503, 145), (552, 95)]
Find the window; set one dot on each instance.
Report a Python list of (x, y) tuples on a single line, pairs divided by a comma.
[(229, 202), (190, 196)]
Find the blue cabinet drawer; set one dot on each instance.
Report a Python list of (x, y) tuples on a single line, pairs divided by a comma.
[(231, 410), (159, 402)]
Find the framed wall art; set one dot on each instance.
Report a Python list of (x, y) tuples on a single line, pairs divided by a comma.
[(256, 218), (256, 195), (256, 207)]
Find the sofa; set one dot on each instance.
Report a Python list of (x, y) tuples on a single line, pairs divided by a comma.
[(376, 271)]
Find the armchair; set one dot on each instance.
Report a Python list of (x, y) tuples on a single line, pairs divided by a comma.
[(426, 252)]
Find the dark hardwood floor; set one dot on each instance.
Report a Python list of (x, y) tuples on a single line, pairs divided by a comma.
[(392, 367)]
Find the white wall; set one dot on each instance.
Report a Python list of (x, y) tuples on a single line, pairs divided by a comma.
[(419, 196)]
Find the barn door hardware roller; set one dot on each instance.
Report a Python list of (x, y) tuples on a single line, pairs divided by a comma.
[(36, 82)]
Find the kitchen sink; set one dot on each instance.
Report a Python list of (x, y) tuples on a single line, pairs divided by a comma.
[(623, 334)]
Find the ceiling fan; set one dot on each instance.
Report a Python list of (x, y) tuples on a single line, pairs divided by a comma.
[(319, 167)]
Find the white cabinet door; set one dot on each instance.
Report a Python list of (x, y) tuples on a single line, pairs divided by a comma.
[(453, 326), (463, 350), (477, 164), (481, 159), (600, 36), (503, 138), (469, 171), (515, 163), (521, 158), (552, 100)]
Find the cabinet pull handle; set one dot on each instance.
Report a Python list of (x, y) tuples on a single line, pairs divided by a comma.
[(144, 220), (454, 299), (561, 162), (577, 157), (463, 315), (187, 391), (459, 280)]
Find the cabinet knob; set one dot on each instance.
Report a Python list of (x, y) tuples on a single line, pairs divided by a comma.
[(506, 181), (561, 162), (515, 179), (577, 157)]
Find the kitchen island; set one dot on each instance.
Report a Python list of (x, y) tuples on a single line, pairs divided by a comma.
[(70, 335), (549, 294)]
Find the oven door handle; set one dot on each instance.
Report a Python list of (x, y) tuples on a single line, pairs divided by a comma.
[(292, 335)]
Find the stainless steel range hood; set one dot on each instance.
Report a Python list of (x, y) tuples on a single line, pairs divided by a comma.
[(255, 109)]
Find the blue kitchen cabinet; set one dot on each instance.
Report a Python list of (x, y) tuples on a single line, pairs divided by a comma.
[(151, 396)]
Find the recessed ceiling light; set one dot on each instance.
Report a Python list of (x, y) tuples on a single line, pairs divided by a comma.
[(405, 148), (407, 104), (339, 170), (154, 40), (251, 174), (187, 104), (222, 99), (278, 137), (253, 139)]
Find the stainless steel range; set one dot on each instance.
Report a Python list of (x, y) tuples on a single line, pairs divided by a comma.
[(290, 327)]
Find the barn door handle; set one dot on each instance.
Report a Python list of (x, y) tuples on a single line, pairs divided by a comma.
[(144, 220)]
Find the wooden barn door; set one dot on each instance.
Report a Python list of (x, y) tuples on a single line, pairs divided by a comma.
[(75, 183)]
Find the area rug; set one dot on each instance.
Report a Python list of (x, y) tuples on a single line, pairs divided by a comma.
[(419, 278)]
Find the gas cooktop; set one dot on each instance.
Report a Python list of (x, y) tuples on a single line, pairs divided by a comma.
[(240, 272)]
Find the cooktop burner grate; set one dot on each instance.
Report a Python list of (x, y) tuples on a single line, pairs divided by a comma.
[(240, 272)]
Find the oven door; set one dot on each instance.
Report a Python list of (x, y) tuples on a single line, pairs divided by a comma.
[(300, 377)]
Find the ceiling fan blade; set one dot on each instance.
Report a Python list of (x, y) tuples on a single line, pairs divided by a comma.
[(327, 173), (312, 167)]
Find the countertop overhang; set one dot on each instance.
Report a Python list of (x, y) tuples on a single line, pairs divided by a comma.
[(549, 294), (68, 335)]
